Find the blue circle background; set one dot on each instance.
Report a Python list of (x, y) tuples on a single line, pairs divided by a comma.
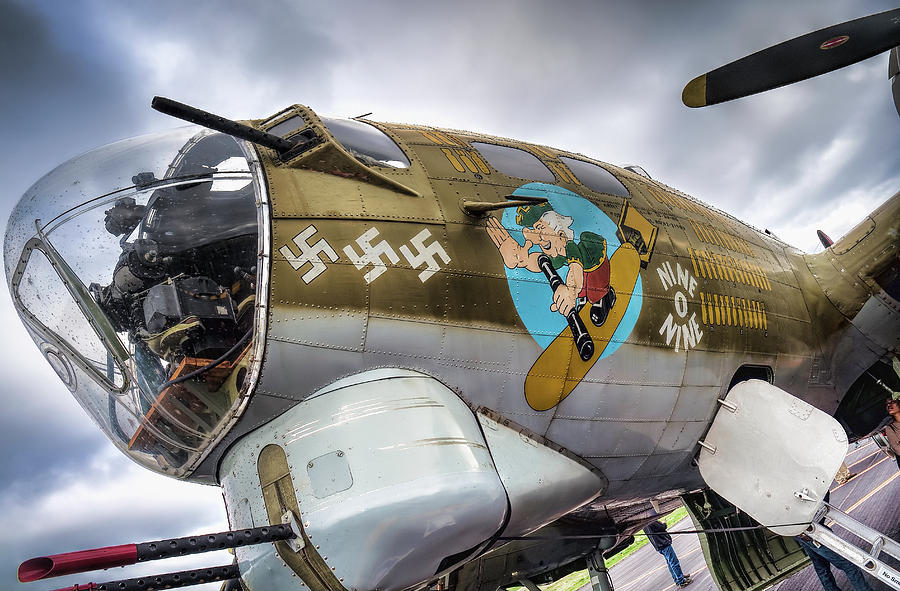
[(531, 292)]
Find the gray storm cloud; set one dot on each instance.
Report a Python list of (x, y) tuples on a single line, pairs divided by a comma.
[(600, 78)]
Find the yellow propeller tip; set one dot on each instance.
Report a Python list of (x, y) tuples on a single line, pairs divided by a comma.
[(694, 93)]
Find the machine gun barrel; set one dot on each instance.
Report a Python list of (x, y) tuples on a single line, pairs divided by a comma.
[(184, 578), (45, 567), (207, 119)]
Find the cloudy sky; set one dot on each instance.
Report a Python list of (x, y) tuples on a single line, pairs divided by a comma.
[(600, 78)]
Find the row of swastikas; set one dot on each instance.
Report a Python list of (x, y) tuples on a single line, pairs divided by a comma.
[(370, 254)]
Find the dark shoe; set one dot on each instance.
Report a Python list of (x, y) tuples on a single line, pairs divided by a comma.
[(600, 310), (687, 581)]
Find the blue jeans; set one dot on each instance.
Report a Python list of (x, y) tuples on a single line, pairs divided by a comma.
[(673, 564), (821, 556)]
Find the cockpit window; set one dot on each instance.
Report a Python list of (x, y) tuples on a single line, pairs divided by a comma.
[(515, 162), (40, 294), (289, 125), (595, 177), (145, 294), (367, 143)]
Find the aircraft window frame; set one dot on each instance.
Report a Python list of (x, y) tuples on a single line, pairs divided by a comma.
[(279, 116), (638, 170), (590, 175), (375, 150), (514, 161), (92, 313), (287, 126)]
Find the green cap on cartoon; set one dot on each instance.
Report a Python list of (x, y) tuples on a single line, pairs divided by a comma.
[(527, 215)]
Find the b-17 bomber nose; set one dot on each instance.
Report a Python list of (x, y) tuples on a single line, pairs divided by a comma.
[(134, 268)]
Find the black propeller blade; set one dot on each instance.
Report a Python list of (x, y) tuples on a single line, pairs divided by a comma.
[(798, 59)]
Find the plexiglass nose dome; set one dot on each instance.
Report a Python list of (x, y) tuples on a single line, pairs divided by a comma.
[(135, 268)]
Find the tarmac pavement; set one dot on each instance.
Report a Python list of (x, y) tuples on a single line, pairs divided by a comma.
[(872, 497)]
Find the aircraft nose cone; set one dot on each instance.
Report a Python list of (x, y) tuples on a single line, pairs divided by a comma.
[(134, 268)]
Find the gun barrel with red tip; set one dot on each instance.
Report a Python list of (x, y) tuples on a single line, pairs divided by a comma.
[(44, 567)]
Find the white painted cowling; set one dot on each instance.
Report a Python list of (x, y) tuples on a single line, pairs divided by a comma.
[(392, 476)]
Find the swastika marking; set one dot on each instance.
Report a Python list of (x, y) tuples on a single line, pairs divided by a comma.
[(425, 255), (309, 253), (371, 254)]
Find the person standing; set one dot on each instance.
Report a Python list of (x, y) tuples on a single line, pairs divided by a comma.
[(662, 542), (823, 557)]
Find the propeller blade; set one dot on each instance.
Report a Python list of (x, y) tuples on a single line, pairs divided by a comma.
[(798, 59)]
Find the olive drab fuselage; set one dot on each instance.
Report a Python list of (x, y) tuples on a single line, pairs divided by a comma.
[(385, 267)]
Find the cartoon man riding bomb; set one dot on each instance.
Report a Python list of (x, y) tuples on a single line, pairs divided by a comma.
[(588, 276)]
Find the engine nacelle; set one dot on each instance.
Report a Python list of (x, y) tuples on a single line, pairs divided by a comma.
[(393, 479), (388, 473)]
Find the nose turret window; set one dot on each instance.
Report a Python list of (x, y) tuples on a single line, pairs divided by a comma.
[(146, 294), (39, 291)]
